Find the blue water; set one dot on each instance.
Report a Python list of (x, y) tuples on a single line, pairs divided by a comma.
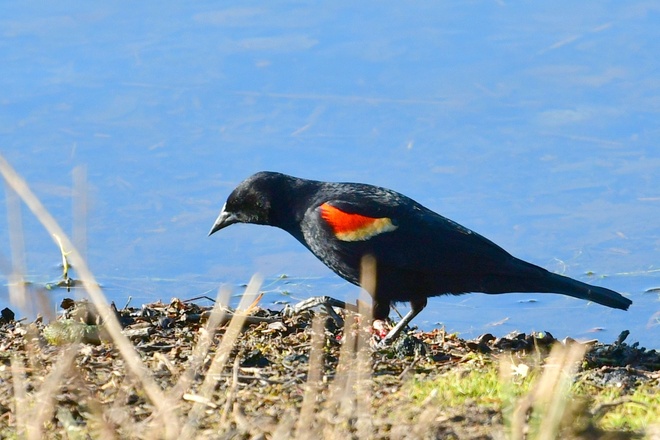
[(535, 124)]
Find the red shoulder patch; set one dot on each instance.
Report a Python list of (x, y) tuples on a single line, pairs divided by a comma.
[(354, 227)]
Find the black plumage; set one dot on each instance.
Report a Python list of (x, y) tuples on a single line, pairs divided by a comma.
[(418, 253)]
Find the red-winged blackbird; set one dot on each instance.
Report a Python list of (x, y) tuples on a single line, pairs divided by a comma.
[(418, 253)]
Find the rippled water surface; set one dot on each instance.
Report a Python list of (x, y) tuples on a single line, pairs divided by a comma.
[(535, 125)]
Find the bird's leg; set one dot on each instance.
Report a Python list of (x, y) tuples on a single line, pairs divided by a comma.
[(381, 309), (415, 308)]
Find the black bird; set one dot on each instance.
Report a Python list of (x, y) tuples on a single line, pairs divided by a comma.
[(418, 252)]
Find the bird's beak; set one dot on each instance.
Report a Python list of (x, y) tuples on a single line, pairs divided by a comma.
[(224, 219)]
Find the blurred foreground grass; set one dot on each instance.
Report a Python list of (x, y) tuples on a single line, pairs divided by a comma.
[(295, 377)]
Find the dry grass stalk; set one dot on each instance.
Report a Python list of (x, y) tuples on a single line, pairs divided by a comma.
[(80, 207), (17, 290), (164, 406), (285, 429), (349, 396), (340, 406), (203, 344), (21, 415), (221, 357), (549, 398), (364, 423), (306, 426), (233, 388), (45, 398), (552, 397)]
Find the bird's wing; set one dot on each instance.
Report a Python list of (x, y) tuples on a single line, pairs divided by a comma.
[(349, 224), (409, 237)]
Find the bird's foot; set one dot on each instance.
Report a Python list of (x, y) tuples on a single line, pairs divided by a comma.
[(395, 332), (380, 328)]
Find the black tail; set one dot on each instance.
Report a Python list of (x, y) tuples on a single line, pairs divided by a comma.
[(577, 289), (526, 277)]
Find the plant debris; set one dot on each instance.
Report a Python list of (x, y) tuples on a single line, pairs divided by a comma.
[(263, 389)]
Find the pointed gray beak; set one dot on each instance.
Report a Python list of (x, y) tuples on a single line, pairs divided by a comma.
[(224, 219)]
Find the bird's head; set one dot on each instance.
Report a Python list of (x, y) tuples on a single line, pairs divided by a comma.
[(252, 201)]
